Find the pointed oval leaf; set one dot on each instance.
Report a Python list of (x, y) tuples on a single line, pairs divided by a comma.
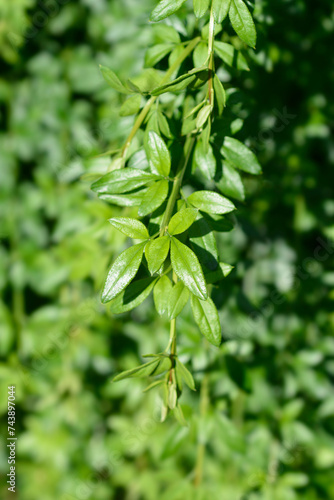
[(144, 370), (131, 106), (203, 115), (203, 243), (211, 202), (122, 181), (182, 220), (220, 9), (219, 94), (200, 7), (132, 296), (158, 154), (177, 299), (231, 56), (188, 269), (165, 8), (124, 200), (242, 22), (153, 198), (205, 160), (185, 375), (207, 319), (200, 54), (156, 53), (131, 227), (156, 252), (241, 156), (231, 184), (113, 81), (161, 294), (122, 271)]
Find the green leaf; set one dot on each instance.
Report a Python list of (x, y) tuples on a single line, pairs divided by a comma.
[(188, 269), (230, 56), (218, 223), (182, 220), (131, 227), (156, 252), (231, 184), (203, 115), (131, 106), (200, 54), (176, 85), (163, 125), (219, 274), (125, 200), (165, 8), (161, 294), (203, 243), (165, 34), (220, 9), (185, 374), (123, 180), (242, 22), (211, 202), (156, 53), (241, 156), (122, 271), (219, 94), (146, 81), (132, 296), (200, 7), (177, 299), (205, 160), (144, 370), (113, 81), (158, 154), (153, 198), (207, 319)]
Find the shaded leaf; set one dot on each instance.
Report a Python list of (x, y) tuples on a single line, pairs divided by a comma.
[(122, 271), (231, 183), (219, 94), (241, 156), (205, 160), (220, 9), (132, 296), (185, 374), (187, 268), (207, 319), (203, 242), (177, 299), (231, 56)]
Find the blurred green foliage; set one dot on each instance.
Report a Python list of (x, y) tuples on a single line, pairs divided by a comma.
[(267, 425)]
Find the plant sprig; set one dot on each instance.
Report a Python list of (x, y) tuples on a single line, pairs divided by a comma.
[(175, 253)]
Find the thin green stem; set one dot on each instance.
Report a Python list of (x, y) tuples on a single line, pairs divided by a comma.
[(142, 115), (190, 141), (210, 56)]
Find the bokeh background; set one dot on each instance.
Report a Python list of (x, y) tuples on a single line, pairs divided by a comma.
[(265, 418)]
